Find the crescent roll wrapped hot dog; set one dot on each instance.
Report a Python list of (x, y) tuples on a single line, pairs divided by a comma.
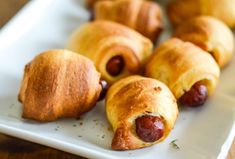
[(211, 35), (90, 3), (191, 73), (181, 10), (141, 15), (116, 50), (142, 112), (59, 83)]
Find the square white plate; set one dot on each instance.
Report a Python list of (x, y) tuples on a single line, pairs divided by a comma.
[(205, 132)]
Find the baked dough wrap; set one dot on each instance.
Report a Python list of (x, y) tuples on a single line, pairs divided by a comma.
[(59, 83), (102, 40), (90, 3), (180, 65), (181, 10), (133, 97), (211, 35), (141, 15)]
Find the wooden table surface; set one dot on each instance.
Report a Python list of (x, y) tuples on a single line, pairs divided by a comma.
[(13, 148)]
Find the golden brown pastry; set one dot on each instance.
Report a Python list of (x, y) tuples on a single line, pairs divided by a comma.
[(142, 112), (59, 83), (181, 10), (191, 73), (211, 35), (116, 50), (90, 3), (141, 15)]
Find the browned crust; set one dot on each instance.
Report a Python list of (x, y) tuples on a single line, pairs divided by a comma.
[(24, 84), (90, 3), (102, 40), (59, 83), (135, 96), (181, 10), (211, 35), (121, 139), (149, 22), (180, 65), (143, 16)]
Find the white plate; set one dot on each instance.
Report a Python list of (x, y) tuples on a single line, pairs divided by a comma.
[(205, 132)]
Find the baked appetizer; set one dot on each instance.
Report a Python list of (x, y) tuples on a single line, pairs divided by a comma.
[(211, 35), (191, 73), (181, 10), (59, 83), (142, 112), (141, 15), (116, 50), (90, 3)]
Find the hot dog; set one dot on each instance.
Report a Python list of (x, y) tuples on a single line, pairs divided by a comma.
[(190, 72), (115, 65), (149, 128), (142, 112), (196, 96), (104, 86), (116, 50)]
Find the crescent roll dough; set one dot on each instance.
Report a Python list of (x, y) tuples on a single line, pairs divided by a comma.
[(180, 65), (211, 35), (103, 40), (181, 10), (59, 83), (134, 97), (143, 16), (90, 3)]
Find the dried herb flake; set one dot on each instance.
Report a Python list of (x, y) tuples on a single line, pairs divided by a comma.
[(174, 145)]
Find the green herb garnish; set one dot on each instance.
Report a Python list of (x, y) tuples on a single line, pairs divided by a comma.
[(174, 145)]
